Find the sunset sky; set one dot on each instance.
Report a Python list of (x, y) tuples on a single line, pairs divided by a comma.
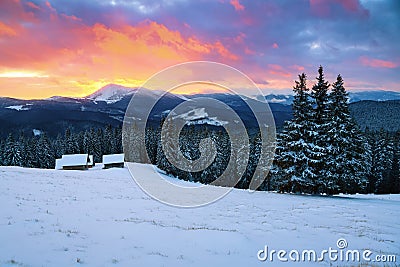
[(72, 48)]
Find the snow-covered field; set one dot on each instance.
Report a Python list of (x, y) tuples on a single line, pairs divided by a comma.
[(101, 218)]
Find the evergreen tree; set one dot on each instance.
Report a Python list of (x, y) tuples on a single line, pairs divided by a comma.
[(116, 142), (2, 152), (107, 140), (71, 145), (383, 163), (87, 145), (12, 152), (295, 144), (319, 171), (395, 172), (347, 161), (44, 153), (27, 151), (59, 146), (151, 139), (97, 137)]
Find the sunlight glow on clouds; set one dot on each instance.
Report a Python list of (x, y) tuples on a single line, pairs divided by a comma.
[(73, 48)]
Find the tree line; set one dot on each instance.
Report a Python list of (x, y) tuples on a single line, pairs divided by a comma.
[(41, 151)]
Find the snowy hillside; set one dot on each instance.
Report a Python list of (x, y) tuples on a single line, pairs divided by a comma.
[(111, 93), (101, 218)]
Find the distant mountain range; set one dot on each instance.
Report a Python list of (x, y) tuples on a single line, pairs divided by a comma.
[(353, 97), (53, 115)]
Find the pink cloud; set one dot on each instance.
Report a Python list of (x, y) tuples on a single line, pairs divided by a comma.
[(32, 5), (6, 30), (325, 8), (248, 51), (275, 46), (377, 63), (278, 70), (239, 39), (236, 4), (297, 67)]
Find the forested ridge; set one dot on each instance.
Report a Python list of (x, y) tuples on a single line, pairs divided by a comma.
[(321, 150)]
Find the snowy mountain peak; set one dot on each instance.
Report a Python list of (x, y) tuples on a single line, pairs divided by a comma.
[(111, 93)]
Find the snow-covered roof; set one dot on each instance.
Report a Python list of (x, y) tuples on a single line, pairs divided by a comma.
[(113, 158), (58, 164), (74, 160)]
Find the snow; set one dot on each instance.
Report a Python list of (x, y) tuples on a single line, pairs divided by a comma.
[(59, 165), (54, 98), (18, 107), (113, 158), (194, 114), (111, 93), (74, 159), (117, 117), (276, 100), (210, 121), (36, 132), (101, 218), (199, 116)]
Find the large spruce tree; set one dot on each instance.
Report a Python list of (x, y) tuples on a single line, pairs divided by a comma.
[(12, 152), (319, 131), (348, 155), (294, 144)]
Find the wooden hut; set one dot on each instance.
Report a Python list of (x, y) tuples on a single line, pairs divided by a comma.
[(73, 162), (113, 161)]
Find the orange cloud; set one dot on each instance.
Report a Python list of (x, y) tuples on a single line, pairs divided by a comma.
[(74, 59), (6, 30), (377, 63)]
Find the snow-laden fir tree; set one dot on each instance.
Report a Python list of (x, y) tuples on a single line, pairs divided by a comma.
[(116, 141), (151, 139), (383, 163), (87, 143), (107, 138), (319, 171), (44, 153), (348, 155), (59, 146), (96, 140), (12, 152), (1, 152), (395, 173), (27, 151), (294, 145), (71, 145)]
